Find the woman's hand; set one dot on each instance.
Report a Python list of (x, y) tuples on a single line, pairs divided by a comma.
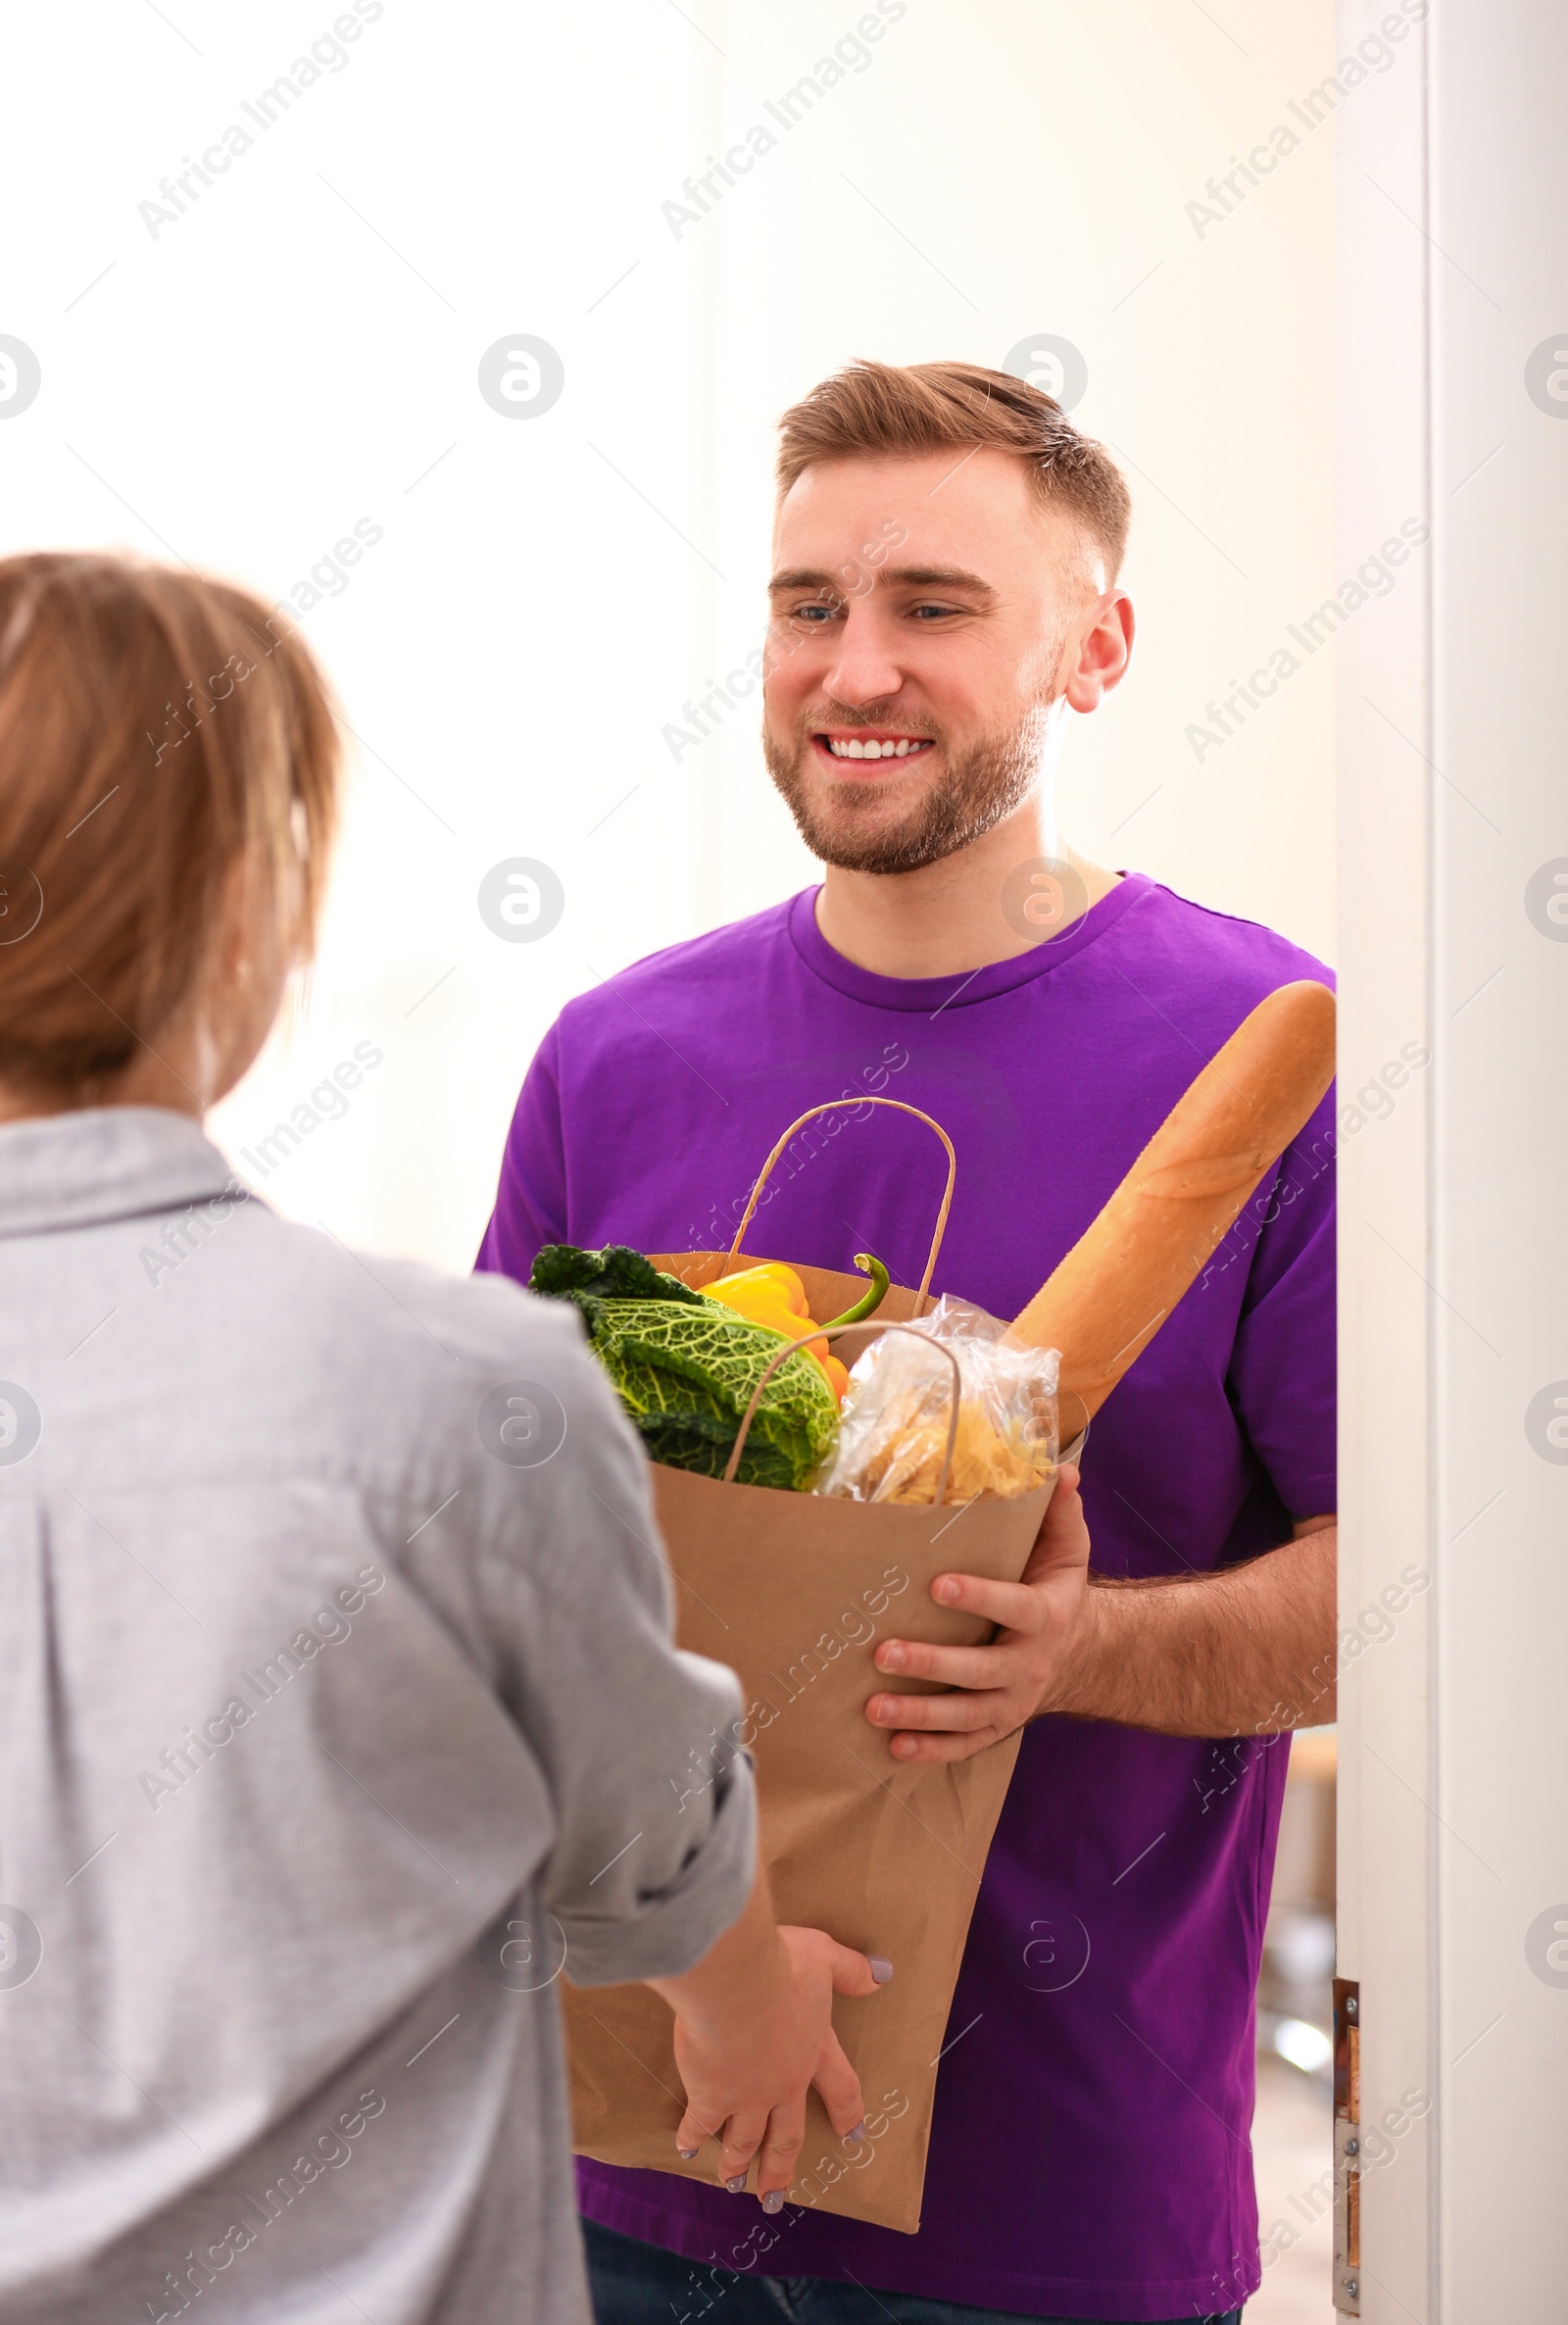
[(753, 2033), (995, 1689)]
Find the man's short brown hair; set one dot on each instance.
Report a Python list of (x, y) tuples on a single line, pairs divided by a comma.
[(890, 409), (154, 726)]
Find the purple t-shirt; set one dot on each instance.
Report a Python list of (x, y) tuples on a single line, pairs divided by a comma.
[(1090, 2154)]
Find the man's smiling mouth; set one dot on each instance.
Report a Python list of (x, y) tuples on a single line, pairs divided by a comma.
[(870, 742)]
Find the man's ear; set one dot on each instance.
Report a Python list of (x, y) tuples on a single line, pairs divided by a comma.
[(1098, 650)]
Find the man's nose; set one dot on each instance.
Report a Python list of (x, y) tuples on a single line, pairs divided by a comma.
[(866, 668)]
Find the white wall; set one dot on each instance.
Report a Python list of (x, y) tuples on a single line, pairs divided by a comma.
[(297, 351), (1454, 1886)]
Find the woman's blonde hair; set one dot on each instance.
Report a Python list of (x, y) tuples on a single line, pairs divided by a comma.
[(156, 726)]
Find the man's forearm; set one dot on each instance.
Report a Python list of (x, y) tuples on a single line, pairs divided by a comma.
[(1247, 1651)]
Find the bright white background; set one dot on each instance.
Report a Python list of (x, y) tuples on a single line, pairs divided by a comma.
[(300, 351)]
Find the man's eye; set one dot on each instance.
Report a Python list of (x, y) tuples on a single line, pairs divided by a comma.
[(934, 613), (813, 611)]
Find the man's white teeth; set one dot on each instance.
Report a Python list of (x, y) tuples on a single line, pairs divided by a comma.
[(897, 750)]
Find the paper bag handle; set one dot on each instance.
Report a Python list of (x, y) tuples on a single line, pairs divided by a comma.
[(805, 1341), (833, 1107)]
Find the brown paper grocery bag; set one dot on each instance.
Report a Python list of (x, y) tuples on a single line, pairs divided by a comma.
[(794, 1592)]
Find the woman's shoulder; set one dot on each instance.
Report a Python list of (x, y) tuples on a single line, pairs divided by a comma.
[(346, 1310), (373, 1370)]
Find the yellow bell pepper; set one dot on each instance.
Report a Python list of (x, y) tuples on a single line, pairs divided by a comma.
[(770, 1282), (773, 1296)]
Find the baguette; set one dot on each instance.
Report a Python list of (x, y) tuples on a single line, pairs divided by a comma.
[(1105, 1303)]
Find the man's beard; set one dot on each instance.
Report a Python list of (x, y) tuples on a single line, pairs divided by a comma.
[(982, 788)]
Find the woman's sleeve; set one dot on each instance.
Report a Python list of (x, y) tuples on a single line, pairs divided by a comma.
[(655, 1822)]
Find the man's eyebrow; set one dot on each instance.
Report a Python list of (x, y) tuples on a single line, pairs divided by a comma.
[(905, 576), (938, 577), (802, 578)]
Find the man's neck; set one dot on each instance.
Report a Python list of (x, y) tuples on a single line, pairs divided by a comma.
[(991, 901)]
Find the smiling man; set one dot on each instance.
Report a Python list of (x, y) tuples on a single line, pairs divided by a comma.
[(944, 597)]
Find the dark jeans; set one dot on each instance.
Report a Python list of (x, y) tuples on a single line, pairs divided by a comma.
[(638, 2284)]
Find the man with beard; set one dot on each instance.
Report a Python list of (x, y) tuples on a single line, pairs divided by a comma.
[(944, 594)]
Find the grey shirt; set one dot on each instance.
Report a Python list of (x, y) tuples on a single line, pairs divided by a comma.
[(340, 1711)]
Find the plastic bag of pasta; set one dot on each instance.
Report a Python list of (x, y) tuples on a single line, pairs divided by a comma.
[(896, 1425)]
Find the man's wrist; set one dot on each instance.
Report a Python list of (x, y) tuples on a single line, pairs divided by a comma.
[(1063, 1692)]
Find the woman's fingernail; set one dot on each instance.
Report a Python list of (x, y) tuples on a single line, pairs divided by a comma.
[(946, 1590), (773, 2201), (881, 1971), (855, 2136), (737, 2187), (892, 1658), (686, 2153)]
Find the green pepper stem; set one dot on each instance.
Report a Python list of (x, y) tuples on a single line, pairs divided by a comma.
[(871, 1299)]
